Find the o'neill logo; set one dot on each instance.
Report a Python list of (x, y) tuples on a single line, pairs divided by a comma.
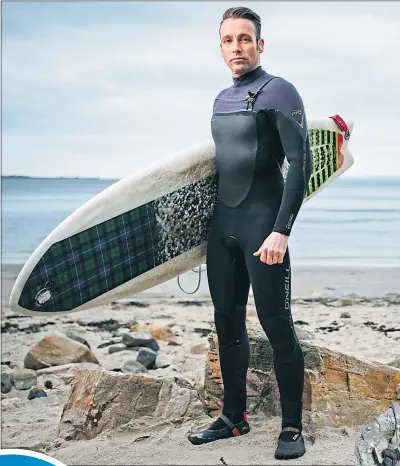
[(290, 221), (17, 457), (298, 117), (287, 289)]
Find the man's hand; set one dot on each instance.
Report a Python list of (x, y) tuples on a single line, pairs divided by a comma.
[(273, 249)]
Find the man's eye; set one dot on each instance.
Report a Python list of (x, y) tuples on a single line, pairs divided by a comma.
[(246, 39)]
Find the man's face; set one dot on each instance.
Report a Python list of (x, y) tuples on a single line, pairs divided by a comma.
[(239, 46)]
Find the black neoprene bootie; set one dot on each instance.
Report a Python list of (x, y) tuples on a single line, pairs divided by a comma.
[(222, 428), (290, 444)]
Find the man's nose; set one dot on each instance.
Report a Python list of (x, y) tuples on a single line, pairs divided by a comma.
[(236, 45)]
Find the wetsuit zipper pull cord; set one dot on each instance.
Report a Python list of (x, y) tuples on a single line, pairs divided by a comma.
[(250, 99)]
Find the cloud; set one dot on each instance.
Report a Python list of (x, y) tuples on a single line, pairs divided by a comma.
[(90, 90)]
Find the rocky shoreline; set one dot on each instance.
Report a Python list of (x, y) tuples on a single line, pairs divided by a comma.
[(166, 340)]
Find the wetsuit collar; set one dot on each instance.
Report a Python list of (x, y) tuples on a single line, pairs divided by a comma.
[(248, 77)]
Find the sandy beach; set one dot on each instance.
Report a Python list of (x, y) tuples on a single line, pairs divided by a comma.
[(368, 330)]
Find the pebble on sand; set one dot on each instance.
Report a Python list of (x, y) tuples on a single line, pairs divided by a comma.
[(36, 393), (24, 379), (144, 339), (114, 341), (133, 367), (48, 384), (147, 357), (6, 382), (77, 338), (117, 349), (200, 348)]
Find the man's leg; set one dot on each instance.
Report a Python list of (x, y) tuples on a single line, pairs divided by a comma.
[(229, 287), (272, 295)]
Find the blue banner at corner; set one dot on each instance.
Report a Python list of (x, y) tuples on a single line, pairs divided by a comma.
[(16, 457)]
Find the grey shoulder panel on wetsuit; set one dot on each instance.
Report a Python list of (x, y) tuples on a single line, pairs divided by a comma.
[(285, 110)]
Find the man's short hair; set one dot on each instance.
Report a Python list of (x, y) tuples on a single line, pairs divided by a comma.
[(245, 13)]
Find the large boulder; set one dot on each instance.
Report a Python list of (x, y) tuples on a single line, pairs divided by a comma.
[(104, 400), (339, 390), (56, 350)]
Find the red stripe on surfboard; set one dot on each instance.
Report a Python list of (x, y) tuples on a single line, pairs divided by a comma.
[(340, 152)]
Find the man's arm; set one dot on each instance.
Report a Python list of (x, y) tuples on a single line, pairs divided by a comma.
[(288, 116)]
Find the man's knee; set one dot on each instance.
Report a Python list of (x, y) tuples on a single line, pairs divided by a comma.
[(281, 335), (230, 325)]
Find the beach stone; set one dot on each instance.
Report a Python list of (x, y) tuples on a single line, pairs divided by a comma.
[(339, 390), (116, 349), (114, 341), (24, 379), (67, 372), (133, 367), (145, 339), (49, 381), (6, 382), (158, 332), (36, 393), (56, 350), (146, 357), (345, 315), (162, 362), (200, 348), (101, 401), (48, 384), (77, 338)]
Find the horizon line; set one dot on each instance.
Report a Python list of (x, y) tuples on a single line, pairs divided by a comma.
[(57, 177)]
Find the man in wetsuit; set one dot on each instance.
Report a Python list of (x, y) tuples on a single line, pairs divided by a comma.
[(256, 123)]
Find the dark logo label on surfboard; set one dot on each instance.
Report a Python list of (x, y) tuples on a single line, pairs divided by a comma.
[(44, 295)]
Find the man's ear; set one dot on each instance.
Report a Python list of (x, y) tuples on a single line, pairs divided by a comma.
[(220, 48), (260, 45)]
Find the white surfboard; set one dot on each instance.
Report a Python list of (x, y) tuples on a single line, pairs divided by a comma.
[(145, 229)]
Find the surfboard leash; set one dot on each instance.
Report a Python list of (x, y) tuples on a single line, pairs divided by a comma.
[(198, 284)]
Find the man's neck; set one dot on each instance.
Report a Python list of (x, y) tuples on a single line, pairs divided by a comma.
[(248, 76)]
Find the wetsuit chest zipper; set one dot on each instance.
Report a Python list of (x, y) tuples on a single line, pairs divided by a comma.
[(252, 96), (250, 100)]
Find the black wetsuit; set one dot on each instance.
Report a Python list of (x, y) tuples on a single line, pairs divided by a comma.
[(252, 138)]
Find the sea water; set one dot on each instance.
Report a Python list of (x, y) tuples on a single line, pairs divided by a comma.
[(354, 221)]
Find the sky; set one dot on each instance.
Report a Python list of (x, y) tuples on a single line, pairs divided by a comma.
[(102, 89)]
